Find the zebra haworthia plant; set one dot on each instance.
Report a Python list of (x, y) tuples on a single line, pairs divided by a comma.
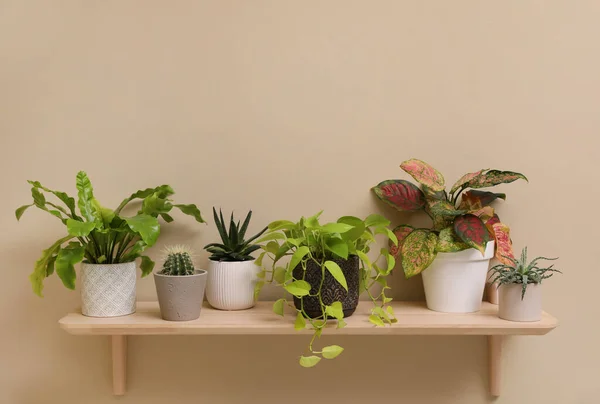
[(460, 220), (178, 261), (521, 272), (99, 235)]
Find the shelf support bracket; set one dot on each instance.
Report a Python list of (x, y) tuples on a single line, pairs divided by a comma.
[(119, 363), (495, 363)]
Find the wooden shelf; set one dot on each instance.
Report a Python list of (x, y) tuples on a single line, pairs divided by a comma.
[(413, 319)]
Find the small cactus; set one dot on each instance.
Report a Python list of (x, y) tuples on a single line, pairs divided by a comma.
[(178, 262)]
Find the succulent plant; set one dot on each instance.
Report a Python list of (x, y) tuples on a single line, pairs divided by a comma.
[(459, 221), (521, 272), (234, 246), (178, 261)]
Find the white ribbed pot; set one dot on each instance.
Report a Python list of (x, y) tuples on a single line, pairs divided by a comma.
[(454, 282), (512, 308), (108, 290), (230, 285)]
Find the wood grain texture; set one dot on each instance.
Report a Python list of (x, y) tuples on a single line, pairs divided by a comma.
[(413, 319), (495, 364), (119, 364)]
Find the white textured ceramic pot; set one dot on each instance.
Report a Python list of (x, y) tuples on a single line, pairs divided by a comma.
[(454, 282), (108, 290), (230, 285), (512, 308)]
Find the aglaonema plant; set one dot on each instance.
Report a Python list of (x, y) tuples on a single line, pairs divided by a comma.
[(99, 235), (462, 217), (308, 242)]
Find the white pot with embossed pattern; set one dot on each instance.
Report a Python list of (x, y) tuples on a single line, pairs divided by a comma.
[(108, 290), (230, 285)]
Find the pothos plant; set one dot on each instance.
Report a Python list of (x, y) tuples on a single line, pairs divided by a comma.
[(462, 218), (308, 241), (99, 235)]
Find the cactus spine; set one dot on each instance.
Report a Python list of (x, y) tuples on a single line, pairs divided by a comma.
[(178, 262)]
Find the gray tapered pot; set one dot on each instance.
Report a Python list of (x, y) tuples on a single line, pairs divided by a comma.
[(180, 297)]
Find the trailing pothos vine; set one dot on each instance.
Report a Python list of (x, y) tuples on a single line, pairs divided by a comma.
[(307, 242)]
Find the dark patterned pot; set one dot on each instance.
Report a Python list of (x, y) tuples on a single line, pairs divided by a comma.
[(332, 291)]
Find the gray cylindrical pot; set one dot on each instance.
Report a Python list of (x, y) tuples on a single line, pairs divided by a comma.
[(512, 308), (180, 297)]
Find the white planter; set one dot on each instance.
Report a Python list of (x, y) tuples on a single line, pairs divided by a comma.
[(454, 282), (108, 290), (511, 306), (230, 285)]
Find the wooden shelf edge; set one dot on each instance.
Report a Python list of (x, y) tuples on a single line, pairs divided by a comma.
[(413, 319)]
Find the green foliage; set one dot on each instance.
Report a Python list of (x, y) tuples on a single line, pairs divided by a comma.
[(522, 272), (233, 247), (178, 261), (460, 221), (310, 241), (99, 235)]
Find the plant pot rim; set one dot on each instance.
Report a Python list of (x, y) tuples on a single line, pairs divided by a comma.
[(232, 262), (105, 264), (519, 284), (470, 254), (197, 272)]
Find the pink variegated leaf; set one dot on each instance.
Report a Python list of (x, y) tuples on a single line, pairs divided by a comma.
[(472, 231), (418, 251), (424, 174), (401, 233), (465, 179), (495, 177), (503, 243), (493, 220), (400, 194)]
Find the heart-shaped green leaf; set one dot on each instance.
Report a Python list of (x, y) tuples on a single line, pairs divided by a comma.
[(335, 310), (298, 255), (335, 271), (278, 307), (332, 351), (300, 323), (338, 246), (309, 361), (298, 288)]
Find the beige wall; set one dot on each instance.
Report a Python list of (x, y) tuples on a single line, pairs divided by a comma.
[(288, 107)]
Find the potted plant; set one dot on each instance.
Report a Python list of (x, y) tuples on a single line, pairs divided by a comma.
[(520, 287), (107, 243), (453, 254), (231, 269), (179, 286), (327, 270)]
